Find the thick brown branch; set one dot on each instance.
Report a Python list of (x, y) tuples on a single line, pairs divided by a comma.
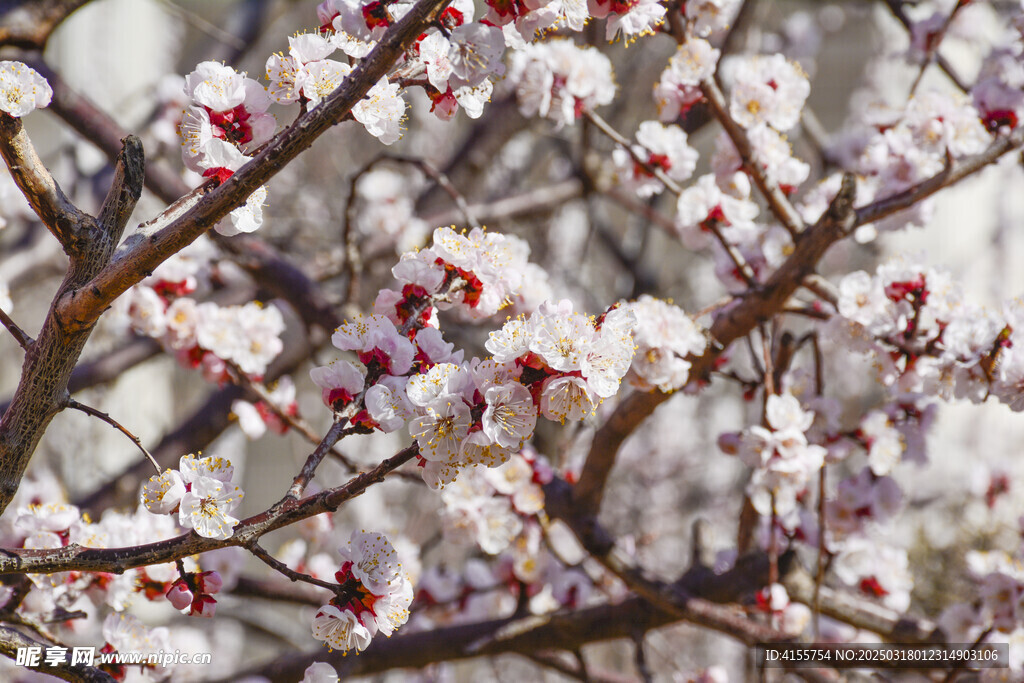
[(72, 228), (42, 390), (82, 307), (29, 23), (675, 599), (282, 279)]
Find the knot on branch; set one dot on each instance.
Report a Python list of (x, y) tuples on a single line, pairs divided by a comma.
[(840, 211), (129, 174)]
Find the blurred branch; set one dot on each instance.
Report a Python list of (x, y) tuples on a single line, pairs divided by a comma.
[(896, 7), (538, 200), (279, 591), (11, 641), (28, 24)]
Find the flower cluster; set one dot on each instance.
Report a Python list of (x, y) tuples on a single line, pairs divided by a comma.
[(560, 80), (483, 270), (32, 523), (767, 90), (489, 507), (127, 634), (255, 419), (902, 146), (664, 337), (200, 491), (1000, 584), (661, 148), (780, 455), (206, 335), (355, 26), (306, 75), (22, 89), (555, 362), (459, 64), (678, 89), (927, 339), (374, 598), (706, 17), (385, 212), (227, 119), (632, 18), (998, 92)]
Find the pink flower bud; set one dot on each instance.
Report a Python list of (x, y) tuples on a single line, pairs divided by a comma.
[(729, 442), (203, 606), (179, 595), (209, 582)]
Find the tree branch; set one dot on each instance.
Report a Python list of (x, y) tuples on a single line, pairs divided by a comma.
[(733, 323), (73, 228), (28, 24), (118, 560), (11, 641), (20, 336), (48, 366), (955, 172), (81, 307)]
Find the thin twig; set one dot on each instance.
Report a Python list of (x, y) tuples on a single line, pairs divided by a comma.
[(76, 405), (640, 658), (896, 7), (742, 267), (933, 47), (605, 128), (24, 341), (336, 433), (280, 567), (75, 557), (293, 421)]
